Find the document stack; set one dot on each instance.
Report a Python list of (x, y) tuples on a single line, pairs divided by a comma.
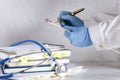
[(32, 56)]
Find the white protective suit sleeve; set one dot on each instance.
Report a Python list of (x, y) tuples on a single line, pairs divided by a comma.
[(105, 33)]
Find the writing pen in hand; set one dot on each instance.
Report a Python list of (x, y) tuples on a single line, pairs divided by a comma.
[(55, 23), (73, 13)]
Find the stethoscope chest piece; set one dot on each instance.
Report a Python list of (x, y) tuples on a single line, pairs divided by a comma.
[(61, 69)]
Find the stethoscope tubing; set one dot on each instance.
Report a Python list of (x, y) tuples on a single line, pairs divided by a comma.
[(21, 42)]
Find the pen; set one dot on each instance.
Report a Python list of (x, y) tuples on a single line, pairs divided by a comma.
[(55, 23), (73, 13), (77, 11)]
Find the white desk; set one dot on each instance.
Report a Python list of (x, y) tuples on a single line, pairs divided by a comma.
[(97, 71)]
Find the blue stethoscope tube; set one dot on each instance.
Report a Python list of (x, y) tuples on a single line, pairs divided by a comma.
[(21, 42)]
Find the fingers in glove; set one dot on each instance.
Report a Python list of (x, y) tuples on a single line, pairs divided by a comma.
[(67, 34), (69, 28)]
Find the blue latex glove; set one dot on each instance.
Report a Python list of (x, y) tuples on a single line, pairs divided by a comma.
[(77, 33)]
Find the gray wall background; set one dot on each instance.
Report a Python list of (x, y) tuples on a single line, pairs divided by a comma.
[(25, 19)]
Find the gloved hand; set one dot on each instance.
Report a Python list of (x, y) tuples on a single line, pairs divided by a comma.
[(77, 33), (68, 19)]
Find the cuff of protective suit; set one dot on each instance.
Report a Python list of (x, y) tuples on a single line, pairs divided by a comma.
[(95, 37)]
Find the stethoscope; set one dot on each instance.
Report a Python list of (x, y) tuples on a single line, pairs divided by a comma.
[(60, 69)]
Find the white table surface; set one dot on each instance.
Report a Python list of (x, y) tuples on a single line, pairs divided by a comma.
[(96, 71)]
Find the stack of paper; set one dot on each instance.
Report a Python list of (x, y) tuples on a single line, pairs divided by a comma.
[(32, 56)]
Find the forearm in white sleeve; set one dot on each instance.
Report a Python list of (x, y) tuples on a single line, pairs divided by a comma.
[(105, 34)]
